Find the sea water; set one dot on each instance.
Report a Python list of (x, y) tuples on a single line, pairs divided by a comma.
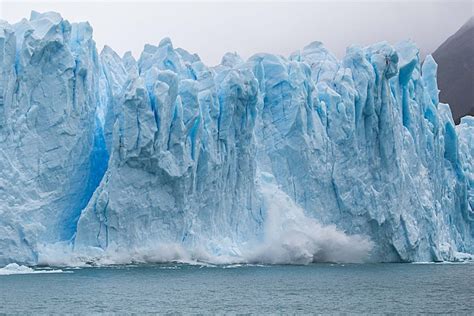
[(169, 288)]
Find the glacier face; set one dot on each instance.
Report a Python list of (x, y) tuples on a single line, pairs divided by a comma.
[(280, 160)]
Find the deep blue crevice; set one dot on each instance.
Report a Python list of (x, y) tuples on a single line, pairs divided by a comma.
[(98, 162), (451, 150)]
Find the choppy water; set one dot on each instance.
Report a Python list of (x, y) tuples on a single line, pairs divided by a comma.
[(318, 288)]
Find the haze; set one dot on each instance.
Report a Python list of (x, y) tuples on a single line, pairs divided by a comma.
[(212, 29)]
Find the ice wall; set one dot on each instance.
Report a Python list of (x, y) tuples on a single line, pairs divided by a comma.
[(362, 143), (274, 159)]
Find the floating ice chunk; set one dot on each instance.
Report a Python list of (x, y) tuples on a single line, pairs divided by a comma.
[(14, 268)]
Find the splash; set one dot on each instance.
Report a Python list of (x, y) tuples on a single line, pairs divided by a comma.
[(291, 237)]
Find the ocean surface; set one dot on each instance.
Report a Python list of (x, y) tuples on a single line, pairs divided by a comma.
[(316, 288)]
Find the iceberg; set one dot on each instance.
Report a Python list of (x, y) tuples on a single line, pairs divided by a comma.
[(109, 159)]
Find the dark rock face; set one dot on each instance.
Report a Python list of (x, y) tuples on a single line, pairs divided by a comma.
[(455, 58)]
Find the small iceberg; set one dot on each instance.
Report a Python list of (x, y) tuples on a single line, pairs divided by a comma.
[(14, 268)]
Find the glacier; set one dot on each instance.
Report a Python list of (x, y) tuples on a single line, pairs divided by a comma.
[(299, 159)]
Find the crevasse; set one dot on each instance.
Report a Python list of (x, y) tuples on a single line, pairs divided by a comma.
[(109, 159)]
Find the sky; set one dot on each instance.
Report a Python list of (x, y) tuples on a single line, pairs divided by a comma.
[(211, 29)]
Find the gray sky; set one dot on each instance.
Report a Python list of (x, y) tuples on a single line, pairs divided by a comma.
[(213, 28)]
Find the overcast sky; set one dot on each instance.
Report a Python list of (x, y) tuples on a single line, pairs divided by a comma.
[(213, 28)]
